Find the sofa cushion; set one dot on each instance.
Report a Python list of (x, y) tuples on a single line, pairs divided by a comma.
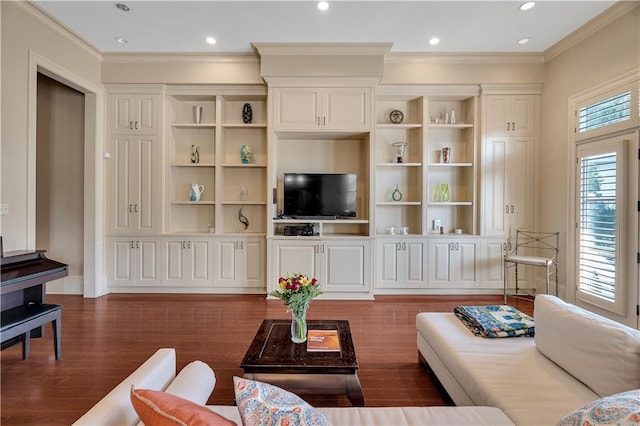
[(619, 409), (601, 353), (159, 408), (264, 404)]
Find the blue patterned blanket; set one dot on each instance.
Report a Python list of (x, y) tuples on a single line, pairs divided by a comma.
[(496, 321)]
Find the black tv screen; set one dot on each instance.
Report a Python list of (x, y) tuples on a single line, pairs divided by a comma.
[(319, 194)]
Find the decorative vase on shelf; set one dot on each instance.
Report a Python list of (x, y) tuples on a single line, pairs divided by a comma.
[(299, 324), (396, 195), (444, 192), (196, 192), (246, 154), (247, 113)]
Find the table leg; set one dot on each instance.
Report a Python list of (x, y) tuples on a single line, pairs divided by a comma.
[(354, 390)]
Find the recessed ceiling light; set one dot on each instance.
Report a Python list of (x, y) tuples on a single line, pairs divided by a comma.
[(323, 5), (524, 40), (211, 40), (121, 40), (527, 5), (434, 40), (123, 7)]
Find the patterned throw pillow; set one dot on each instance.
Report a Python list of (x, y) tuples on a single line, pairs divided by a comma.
[(619, 409), (262, 404)]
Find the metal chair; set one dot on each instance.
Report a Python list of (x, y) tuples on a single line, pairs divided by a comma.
[(532, 249)]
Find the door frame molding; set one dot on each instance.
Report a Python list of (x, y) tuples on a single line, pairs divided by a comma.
[(93, 284)]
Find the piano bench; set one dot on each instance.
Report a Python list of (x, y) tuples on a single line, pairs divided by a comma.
[(19, 321)]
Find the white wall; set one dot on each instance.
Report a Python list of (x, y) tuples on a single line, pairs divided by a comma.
[(610, 52), (22, 34)]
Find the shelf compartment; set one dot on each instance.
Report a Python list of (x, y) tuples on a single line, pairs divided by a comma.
[(386, 153), (183, 138), (411, 107), (180, 110), (255, 214), (451, 216), (408, 181), (235, 137), (181, 179), (388, 215), (236, 178), (191, 217), (232, 108)]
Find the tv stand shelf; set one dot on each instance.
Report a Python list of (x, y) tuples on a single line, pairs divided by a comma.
[(325, 227)]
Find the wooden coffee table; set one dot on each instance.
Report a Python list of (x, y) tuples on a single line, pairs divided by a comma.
[(273, 358)]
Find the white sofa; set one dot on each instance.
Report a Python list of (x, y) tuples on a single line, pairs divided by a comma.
[(196, 381), (575, 357)]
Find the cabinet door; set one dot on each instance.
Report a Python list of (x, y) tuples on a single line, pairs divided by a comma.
[(135, 114), (491, 265), (135, 184), (241, 263), (227, 268), (346, 109), (200, 261), (440, 253), (464, 264), (295, 256), (401, 264), (519, 183), (174, 272), (147, 255), (297, 109), (495, 207), (388, 264), (346, 266), (507, 185), (120, 267), (253, 254), (132, 262), (512, 115)]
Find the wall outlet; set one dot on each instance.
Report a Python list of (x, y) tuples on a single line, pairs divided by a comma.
[(4, 209)]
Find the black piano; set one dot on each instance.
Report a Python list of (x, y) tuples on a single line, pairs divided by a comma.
[(24, 275)]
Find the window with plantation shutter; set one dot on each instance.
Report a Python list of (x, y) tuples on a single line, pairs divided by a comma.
[(598, 235), (604, 113)]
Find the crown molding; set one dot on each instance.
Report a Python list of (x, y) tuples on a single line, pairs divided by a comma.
[(199, 57), (465, 58), (315, 49), (622, 7), (35, 11)]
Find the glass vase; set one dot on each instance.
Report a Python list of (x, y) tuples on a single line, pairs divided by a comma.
[(299, 325)]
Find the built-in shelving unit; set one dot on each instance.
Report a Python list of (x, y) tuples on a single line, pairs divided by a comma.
[(231, 187)]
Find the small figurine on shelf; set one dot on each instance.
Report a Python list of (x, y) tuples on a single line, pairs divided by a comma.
[(195, 154), (246, 154)]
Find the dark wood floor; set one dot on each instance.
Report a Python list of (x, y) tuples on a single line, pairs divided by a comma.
[(105, 339)]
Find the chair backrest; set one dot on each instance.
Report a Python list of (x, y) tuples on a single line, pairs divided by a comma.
[(537, 243)]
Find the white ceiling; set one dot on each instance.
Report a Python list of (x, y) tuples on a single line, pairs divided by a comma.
[(462, 26)]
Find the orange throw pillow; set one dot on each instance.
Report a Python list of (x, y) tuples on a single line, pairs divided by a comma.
[(160, 408)]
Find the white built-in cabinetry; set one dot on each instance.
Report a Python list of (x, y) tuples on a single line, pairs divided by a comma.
[(401, 263), (133, 262), (333, 108), (135, 169), (453, 263), (187, 262), (160, 240), (340, 265), (151, 172), (508, 163), (240, 262)]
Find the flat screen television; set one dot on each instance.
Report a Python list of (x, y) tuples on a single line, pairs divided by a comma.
[(312, 195)]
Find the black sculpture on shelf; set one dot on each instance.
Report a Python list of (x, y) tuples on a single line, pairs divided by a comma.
[(243, 219)]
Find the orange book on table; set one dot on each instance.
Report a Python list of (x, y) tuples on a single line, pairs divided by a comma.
[(323, 341)]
